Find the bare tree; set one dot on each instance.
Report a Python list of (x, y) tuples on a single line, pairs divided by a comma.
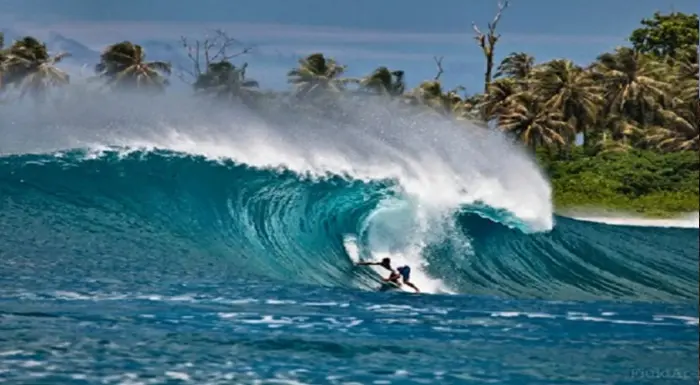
[(214, 48), (488, 41), (438, 63)]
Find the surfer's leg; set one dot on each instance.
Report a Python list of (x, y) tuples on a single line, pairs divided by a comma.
[(412, 286), (406, 274)]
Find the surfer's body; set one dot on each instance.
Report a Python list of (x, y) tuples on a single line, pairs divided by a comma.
[(395, 275)]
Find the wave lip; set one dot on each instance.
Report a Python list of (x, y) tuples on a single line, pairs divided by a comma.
[(441, 164)]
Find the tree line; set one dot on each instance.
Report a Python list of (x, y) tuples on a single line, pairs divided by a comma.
[(643, 96)]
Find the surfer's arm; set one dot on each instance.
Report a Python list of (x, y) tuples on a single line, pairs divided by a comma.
[(374, 264)]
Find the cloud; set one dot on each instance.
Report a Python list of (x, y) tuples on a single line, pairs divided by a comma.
[(107, 32)]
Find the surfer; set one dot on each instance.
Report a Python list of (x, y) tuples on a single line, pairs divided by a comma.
[(401, 272)]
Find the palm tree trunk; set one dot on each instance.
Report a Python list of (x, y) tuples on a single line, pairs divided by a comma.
[(487, 75)]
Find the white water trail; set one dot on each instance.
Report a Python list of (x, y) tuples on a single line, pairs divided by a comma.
[(439, 164)]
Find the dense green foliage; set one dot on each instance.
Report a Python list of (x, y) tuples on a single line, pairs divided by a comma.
[(666, 35), (636, 109), (640, 181)]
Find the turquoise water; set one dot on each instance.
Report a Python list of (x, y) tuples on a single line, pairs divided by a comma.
[(159, 267), (143, 247)]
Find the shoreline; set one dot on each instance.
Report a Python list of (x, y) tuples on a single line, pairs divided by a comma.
[(622, 212), (619, 217)]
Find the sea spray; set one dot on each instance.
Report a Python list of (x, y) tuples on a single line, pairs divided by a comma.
[(203, 190), (439, 162), (438, 166)]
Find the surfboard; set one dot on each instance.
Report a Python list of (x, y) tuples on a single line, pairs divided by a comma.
[(387, 286)]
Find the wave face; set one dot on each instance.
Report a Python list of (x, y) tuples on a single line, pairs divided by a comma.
[(169, 208), (190, 194)]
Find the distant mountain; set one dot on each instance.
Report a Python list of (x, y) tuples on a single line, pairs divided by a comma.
[(79, 53), (167, 51), (162, 49)]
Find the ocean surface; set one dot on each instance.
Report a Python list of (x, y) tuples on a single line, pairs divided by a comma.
[(143, 243)]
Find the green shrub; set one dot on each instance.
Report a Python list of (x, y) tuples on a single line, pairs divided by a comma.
[(645, 182)]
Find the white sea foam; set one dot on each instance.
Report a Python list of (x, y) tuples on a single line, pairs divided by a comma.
[(689, 220), (438, 164)]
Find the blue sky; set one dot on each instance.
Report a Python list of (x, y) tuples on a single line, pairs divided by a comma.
[(364, 34)]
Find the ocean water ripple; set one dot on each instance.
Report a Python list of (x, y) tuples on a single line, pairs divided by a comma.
[(249, 332)]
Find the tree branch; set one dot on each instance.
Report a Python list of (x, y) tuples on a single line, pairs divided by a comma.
[(492, 36), (488, 41), (438, 63), (214, 48)]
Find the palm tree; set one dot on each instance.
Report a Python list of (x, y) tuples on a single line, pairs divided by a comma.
[(635, 85), (496, 101), (686, 71), (124, 65), (430, 94), (317, 74), (471, 109), (456, 105), (568, 89), (466, 108), (620, 128), (223, 80), (28, 66), (606, 144), (528, 119), (516, 65), (384, 82), (676, 128), (680, 129)]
